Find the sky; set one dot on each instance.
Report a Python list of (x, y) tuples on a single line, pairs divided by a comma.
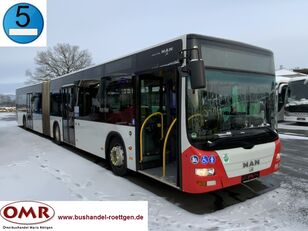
[(110, 29)]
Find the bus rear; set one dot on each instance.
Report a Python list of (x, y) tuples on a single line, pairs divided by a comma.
[(230, 132)]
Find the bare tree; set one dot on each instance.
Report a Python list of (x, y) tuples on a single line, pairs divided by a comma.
[(59, 60)]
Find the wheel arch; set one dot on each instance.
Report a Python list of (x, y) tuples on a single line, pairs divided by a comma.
[(111, 136), (55, 123)]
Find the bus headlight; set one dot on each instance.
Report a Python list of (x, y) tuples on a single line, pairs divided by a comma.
[(204, 171)]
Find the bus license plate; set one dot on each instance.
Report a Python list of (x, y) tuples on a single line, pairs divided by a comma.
[(250, 176)]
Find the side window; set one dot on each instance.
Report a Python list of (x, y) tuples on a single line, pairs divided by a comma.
[(55, 104), (113, 92), (151, 96), (118, 100), (37, 103), (21, 102), (69, 101), (88, 100)]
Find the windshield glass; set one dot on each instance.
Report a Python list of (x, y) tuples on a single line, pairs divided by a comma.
[(233, 104), (298, 91)]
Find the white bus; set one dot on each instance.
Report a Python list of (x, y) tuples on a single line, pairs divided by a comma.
[(282, 85), (197, 113), (296, 108)]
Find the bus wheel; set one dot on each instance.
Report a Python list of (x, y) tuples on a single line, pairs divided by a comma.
[(57, 134), (24, 122), (117, 157)]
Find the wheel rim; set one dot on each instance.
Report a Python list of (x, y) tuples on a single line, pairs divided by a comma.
[(117, 156)]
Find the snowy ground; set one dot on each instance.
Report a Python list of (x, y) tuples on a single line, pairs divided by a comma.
[(293, 128), (33, 167)]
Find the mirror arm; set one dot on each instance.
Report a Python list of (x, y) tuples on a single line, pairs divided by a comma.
[(194, 67), (188, 57)]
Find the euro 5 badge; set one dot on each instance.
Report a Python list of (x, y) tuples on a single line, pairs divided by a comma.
[(24, 23)]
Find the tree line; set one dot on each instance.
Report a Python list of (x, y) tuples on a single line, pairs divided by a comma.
[(56, 61), (6, 101)]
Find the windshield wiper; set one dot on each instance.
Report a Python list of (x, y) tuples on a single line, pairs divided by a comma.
[(244, 139), (226, 134), (241, 143)]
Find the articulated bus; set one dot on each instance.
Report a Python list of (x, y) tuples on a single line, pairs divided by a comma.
[(197, 113), (296, 107)]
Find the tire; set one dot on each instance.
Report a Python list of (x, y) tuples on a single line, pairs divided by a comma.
[(24, 122), (57, 134), (117, 157)]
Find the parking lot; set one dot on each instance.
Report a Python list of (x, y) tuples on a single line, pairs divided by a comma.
[(33, 167)]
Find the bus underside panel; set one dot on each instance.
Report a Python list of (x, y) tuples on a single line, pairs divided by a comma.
[(91, 136), (20, 116), (37, 122), (231, 166), (301, 117)]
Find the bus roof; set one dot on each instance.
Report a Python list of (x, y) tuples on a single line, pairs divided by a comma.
[(121, 57), (281, 79), (183, 38), (227, 41), (34, 87), (298, 78)]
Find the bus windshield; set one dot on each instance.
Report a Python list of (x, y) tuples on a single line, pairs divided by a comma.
[(232, 104), (298, 91)]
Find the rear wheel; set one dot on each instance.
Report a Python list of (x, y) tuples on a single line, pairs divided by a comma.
[(117, 157), (57, 134)]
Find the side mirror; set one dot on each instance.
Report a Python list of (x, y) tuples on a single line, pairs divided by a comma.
[(197, 73)]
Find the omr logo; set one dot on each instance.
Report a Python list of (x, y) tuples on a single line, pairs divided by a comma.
[(27, 212)]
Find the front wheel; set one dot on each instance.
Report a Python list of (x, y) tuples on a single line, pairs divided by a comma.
[(117, 157)]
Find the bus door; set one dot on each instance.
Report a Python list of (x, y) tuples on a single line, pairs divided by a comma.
[(29, 110), (69, 101), (151, 118), (157, 127)]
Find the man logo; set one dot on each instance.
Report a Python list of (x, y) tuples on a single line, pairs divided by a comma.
[(251, 163), (27, 212), (226, 158)]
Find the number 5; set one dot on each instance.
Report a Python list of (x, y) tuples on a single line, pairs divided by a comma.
[(18, 14)]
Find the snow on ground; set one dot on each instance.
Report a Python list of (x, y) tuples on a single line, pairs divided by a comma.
[(292, 137), (7, 119), (33, 167), (293, 126), (6, 114)]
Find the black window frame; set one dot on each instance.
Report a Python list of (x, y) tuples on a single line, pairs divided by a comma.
[(126, 114)]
